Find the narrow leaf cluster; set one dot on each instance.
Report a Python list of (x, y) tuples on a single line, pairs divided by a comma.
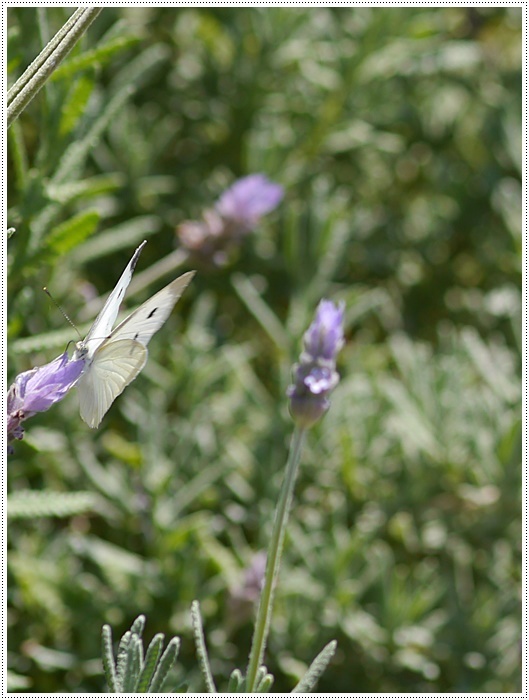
[(135, 671)]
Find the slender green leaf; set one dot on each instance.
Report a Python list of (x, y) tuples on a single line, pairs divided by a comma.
[(131, 670), (202, 652), (265, 683), (236, 682), (261, 311), (166, 662), (120, 237), (108, 659), (86, 188), (138, 625), (152, 657), (73, 160), (74, 106), (72, 232), (77, 153), (17, 151), (261, 673), (316, 669), (95, 57), (122, 659)]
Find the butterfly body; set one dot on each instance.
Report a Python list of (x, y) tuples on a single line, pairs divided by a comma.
[(114, 358)]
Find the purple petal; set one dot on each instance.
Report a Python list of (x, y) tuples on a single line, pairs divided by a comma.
[(248, 199), (43, 386), (324, 337), (319, 380)]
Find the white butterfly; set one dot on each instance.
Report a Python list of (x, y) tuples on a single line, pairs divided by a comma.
[(114, 358)]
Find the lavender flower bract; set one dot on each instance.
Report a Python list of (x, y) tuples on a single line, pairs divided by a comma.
[(315, 376), (37, 390)]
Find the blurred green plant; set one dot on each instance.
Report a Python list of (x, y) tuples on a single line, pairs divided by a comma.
[(396, 133)]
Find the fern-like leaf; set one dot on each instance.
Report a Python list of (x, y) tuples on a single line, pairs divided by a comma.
[(72, 232), (49, 504)]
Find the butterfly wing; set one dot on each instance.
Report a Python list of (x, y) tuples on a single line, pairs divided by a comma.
[(143, 323), (114, 366), (118, 360), (105, 320)]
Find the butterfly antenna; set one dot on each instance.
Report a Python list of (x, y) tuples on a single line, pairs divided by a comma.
[(63, 312)]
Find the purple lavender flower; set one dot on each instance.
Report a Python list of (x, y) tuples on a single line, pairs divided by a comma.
[(324, 337), (37, 390), (249, 199), (315, 376), (237, 212)]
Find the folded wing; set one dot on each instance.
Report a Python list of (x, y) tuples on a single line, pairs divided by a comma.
[(115, 365)]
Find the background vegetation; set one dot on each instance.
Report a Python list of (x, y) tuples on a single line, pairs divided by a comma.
[(397, 136)]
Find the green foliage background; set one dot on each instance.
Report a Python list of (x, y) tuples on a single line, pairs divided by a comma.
[(397, 136)]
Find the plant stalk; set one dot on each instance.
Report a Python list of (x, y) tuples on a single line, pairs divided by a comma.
[(43, 55), (34, 78), (273, 562)]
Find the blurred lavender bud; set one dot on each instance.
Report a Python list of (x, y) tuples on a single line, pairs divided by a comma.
[(248, 200), (315, 376), (206, 238), (37, 390), (236, 213)]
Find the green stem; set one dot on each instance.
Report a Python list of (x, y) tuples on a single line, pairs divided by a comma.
[(43, 55), (34, 78), (273, 562)]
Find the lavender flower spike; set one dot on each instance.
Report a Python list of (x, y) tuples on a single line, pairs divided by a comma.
[(248, 200), (315, 376), (37, 390), (324, 337)]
